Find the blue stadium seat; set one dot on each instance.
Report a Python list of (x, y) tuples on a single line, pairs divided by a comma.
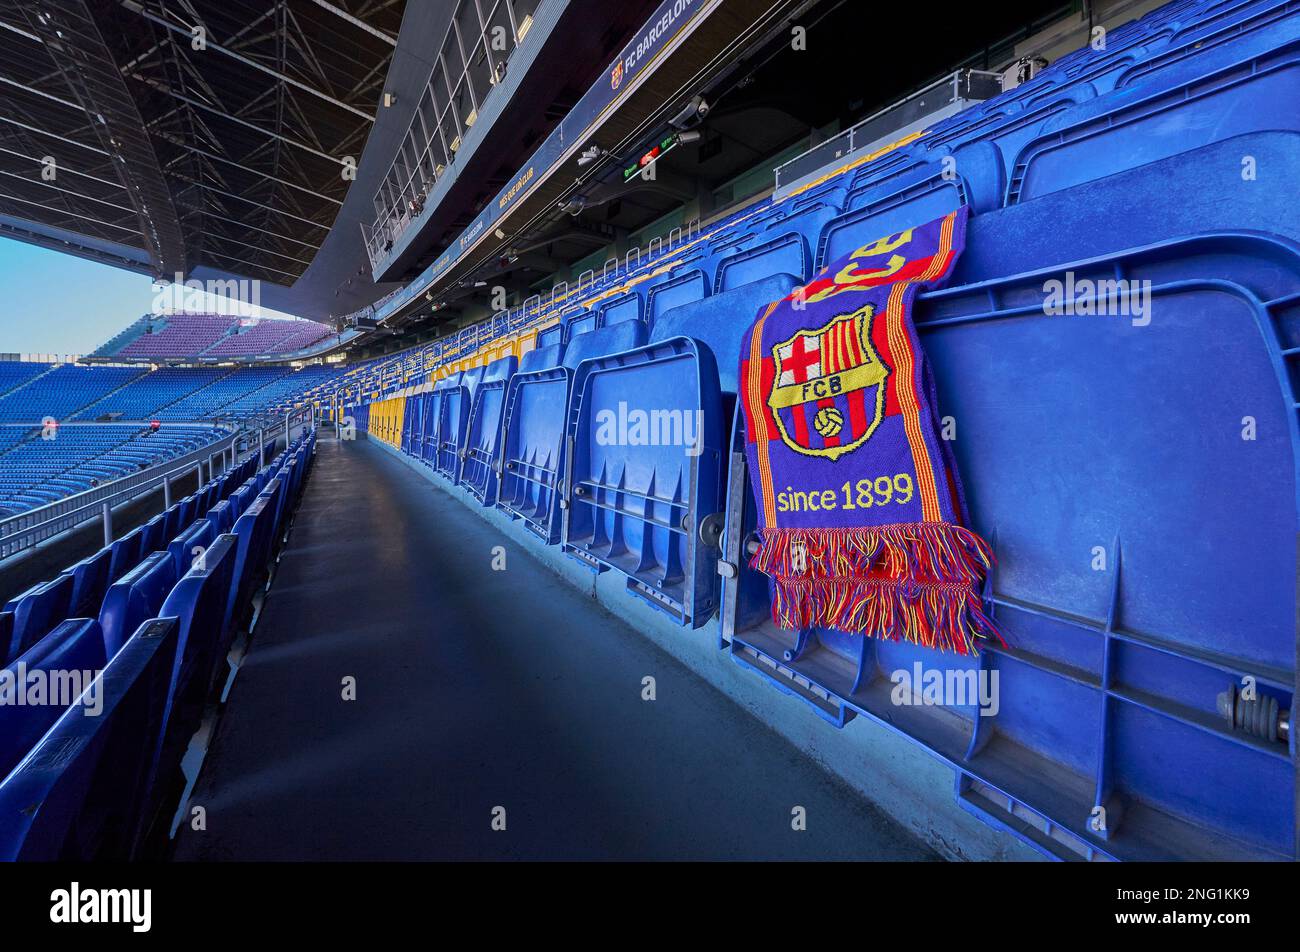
[(413, 444), (532, 449), (151, 535), (255, 530), (483, 445), (551, 335), (188, 545), (76, 645), (135, 597), (198, 603), (1199, 102), (126, 554), (787, 253), (1146, 744), (90, 580), (542, 358), (433, 418), (578, 321), (684, 288), (189, 511), (221, 517), (636, 501), (78, 795), (453, 422), (36, 612), (242, 497), (628, 306)]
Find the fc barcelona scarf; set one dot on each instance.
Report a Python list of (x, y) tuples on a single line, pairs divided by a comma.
[(861, 514)]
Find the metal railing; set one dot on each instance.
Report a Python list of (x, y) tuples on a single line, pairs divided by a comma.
[(24, 530), (965, 85)]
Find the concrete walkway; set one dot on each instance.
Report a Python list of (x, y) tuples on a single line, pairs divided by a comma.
[(478, 689)]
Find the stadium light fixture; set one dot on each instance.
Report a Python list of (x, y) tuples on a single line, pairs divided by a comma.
[(591, 154)]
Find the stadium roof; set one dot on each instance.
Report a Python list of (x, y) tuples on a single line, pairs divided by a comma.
[(207, 138)]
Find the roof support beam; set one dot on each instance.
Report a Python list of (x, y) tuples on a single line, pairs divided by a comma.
[(289, 80), (182, 144), (162, 88), (355, 21)]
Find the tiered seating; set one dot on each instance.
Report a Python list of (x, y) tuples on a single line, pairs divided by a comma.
[(176, 336), (1128, 163), (104, 787), (14, 373), (269, 337), (119, 340), (212, 400), (286, 390), (155, 395), (52, 464), (62, 392)]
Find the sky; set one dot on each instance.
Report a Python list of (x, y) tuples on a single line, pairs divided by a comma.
[(52, 303)]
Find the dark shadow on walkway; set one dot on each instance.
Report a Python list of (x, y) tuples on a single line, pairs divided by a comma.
[(477, 689)]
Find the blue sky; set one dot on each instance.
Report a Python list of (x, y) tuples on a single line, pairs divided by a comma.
[(52, 303)]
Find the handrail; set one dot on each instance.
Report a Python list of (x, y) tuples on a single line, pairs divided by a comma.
[(24, 530)]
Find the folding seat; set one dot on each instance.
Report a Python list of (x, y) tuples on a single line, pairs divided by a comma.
[(684, 288), (483, 444), (433, 418), (831, 195), (277, 491), (239, 500), (78, 795), (151, 534), (925, 192), (188, 546), (578, 320), (135, 597), (90, 580), (637, 502), (551, 335), (126, 554), (76, 645), (189, 511), (1232, 90), (787, 253), (36, 612), (1107, 695), (171, 521), (255, 530), (198, 603), (415, 409), (453, 422), (744, 238), (428, 439), (628, 306), (221, 517), (535, 424)]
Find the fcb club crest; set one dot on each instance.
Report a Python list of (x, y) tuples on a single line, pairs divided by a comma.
[(828, 387), (616, 77)]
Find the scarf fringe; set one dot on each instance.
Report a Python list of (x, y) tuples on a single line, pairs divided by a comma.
[(926, 551), (947, 616)]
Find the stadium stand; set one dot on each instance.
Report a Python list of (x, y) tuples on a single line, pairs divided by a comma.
[(1046, 168), (62, 391), (1108, 426), (151, 395), (155, 634), (178, 336), (269, 338), (42, 465)]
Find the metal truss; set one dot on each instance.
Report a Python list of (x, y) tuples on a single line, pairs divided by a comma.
[(219, 133)]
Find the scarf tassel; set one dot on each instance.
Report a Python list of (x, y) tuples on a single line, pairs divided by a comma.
[(943, 616), (929, 551)]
